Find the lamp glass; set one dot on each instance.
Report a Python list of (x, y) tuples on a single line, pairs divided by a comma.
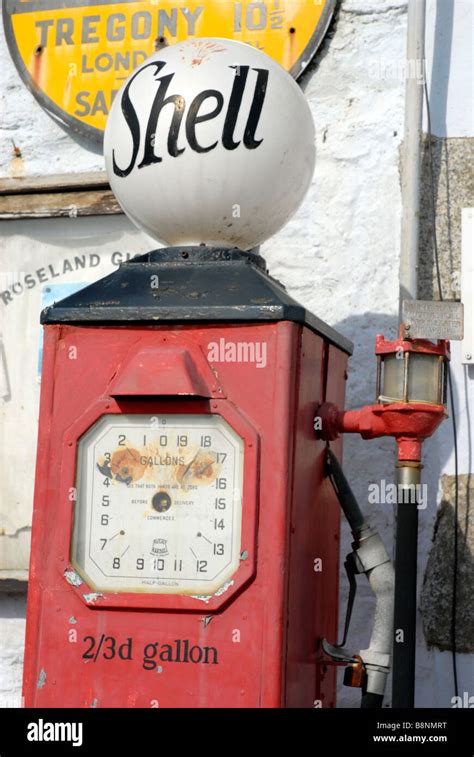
[(423, 380)]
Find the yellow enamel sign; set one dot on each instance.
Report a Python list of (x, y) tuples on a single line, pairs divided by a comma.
[(75, 54)]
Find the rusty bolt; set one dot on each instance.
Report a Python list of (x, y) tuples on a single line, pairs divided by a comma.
[(160, 43), (16, 150)]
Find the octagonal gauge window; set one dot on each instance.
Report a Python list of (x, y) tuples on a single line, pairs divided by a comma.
[(159, 504)]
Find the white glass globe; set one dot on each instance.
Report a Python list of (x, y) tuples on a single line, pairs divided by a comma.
[(210, 141)]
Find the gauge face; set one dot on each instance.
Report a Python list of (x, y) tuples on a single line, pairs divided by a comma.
[(159, 504)]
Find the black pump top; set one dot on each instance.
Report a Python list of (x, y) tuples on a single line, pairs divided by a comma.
[(188, 285)]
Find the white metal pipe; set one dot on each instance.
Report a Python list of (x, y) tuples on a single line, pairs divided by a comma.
[(411, 156), (378, 655), (376, 565)]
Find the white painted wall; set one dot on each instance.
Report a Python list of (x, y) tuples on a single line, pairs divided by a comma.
[(339, 255)]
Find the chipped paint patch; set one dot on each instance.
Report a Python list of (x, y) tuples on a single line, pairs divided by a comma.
[(41, 679), (93, 596), (205, 598), (206, 620), (72, 578), (94, 703), (72, 619), (224, 588)]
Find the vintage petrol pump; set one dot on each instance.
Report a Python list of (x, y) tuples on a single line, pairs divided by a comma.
[(186, 517), (185, 539)]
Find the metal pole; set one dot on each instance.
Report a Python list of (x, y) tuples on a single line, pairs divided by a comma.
[(406, 553), (406, 538), (415, 72)]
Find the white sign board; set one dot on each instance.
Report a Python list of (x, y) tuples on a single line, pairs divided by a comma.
[(40, 261)]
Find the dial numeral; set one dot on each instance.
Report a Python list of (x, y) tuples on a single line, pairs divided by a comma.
[(221, 483), (104, 520), (178, 565), (116, 563), (206, 441), (201, 566), (219, 524), (140, 563), (220, 503), (218, 549), (105, 500), (104, 542), (182, 440), (121, 440)]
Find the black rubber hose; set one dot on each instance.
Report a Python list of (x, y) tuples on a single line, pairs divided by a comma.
[(373, 701), (344, 493)]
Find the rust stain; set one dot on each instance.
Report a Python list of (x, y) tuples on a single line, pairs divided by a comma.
[(201, 52), (17, 166), (126, 465), (188, 466), (202, 469), (36, 67), (290, 52), (67, 90)]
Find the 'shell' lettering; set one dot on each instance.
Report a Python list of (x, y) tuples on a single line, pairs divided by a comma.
[(192, 116)]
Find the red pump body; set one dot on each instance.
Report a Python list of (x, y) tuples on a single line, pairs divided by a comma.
[(267, 627)]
